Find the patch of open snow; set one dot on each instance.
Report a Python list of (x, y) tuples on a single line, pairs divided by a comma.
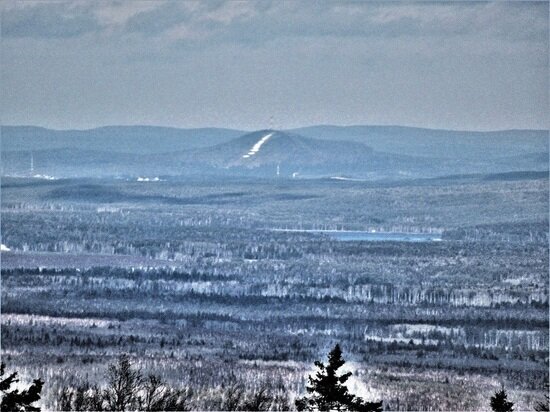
[(46, 177), (18, 319), (516, 281), (148, 179), (407, 329), (107, 209), (351, 179), (4, 248), (256, 148), (357, 385), (401, 339)]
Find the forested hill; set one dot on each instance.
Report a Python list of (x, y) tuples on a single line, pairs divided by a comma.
[(365, 152), (123, 139), (435, 142)]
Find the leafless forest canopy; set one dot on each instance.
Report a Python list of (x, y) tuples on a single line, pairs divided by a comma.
[(202, 282)]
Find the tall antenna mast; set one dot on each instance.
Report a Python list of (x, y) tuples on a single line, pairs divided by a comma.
[(32, 164)]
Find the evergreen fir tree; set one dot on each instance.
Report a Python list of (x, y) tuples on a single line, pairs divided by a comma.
[(15, 401), (500, 403), (327, 390)]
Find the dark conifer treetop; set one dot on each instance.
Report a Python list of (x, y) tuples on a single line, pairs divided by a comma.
[(15, 401), (500, 403), (327, 390)]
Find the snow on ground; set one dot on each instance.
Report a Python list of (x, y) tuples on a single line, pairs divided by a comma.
[(23, 319), (351, 179), (4, 248), (45, 177), (408, 329), (358, 386), (149, 179), (256, 148)]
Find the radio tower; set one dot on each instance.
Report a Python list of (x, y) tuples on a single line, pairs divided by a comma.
[(32, 165)]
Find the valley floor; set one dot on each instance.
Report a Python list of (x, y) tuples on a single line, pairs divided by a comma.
[(204, 292)]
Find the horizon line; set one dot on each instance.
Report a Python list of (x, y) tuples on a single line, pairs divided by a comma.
[(281, 129)]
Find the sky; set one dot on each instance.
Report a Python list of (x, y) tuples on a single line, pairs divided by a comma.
[(450, 65)]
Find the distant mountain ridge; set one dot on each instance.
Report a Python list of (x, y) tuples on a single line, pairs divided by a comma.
[(393, 139), (122, 139), (371, 152), (434, 142)]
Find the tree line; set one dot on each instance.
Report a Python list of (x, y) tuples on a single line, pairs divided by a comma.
[(129, 389)]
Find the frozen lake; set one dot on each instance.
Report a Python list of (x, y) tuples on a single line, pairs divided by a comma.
[(358, 235)]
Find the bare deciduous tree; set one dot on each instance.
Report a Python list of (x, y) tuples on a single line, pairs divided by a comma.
[(124, 384)]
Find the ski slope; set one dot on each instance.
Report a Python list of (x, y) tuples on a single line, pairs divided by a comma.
[(256, 148)]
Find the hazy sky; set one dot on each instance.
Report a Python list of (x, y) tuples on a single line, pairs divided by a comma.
[(455, 65)]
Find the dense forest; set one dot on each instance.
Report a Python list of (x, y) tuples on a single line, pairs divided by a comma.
[(219, 291)]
